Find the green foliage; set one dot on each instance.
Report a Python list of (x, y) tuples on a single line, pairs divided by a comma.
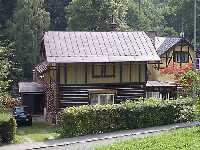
[(137, 20), (9, 68), (6, 10), (181, 139), (38, 132), (181, 17), (56, 8), (190, 81), (29, 23), (84, 15), (74, 121), (7, 128)]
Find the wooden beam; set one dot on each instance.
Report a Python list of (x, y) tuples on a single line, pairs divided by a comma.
[(139, 71), (189, 53), (146, 72), (57, 98), (86, 69), (181, 53), (121, 68), (65, 73), (166, 59), (57, 74), (130, 71)]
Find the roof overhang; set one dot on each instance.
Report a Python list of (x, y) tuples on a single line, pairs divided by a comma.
[(30, 87), (100, 59), (161, 84)]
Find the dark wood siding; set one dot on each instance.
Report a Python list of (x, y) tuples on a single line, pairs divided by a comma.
[(75, 95)]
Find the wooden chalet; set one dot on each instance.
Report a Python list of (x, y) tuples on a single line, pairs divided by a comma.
[(80, 68), (173, 52)]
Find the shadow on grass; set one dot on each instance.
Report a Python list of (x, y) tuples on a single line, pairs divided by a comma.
[(36, 133)]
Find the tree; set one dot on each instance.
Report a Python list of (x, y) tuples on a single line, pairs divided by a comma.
[(136, 19), (181, 17), (56, 8), (10, 70), (96, 15), (7, 8), (29, 23)]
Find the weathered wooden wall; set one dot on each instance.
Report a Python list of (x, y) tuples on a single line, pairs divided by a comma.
[(76, 82), (75, 95), (79, 73)]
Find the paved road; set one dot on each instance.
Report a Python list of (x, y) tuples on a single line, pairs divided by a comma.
[(95, 144), (89, 142)]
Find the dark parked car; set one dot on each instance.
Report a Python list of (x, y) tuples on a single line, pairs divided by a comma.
[(23, 115)]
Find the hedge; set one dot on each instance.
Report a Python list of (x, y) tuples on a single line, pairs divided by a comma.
[(7, 128), (93, 119)]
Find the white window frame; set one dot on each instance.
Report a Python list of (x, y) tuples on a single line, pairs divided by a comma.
[(99, 100), (156, 95)]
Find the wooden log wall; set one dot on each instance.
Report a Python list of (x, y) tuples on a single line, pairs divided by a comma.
[(75, 95)]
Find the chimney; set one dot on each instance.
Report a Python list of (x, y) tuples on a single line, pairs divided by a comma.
[(152, 35), (113, 24)]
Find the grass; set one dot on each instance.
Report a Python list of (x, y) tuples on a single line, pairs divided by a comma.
[(4, 116), (36, 133), (182, 139)]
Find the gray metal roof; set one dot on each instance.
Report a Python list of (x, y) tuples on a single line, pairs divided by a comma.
[(30, 87), (69, 47), (160, 84), (163, 44)]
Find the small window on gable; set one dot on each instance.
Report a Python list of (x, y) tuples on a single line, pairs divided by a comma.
[(181, 57), (103, 70)]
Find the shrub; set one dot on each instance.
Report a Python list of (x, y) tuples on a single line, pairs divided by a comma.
[(7, 128), (74, 121), (9, 102)]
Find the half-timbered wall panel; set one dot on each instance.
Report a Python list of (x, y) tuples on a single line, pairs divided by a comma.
[(114, 79), (126, 72), (62, 72), (142, 72), (76, 73), (134, 73)]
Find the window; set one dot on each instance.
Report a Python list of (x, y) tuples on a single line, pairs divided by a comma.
[(156, 95), (103, 70), (198, 63), (101, 98), (181, 57)]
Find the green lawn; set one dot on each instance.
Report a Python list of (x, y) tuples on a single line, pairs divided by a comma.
[(36, 132), (182, 139)]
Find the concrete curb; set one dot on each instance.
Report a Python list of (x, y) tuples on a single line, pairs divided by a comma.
[(187, 125)]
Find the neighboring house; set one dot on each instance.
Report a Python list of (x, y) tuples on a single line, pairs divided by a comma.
[(174, 53), (79, 68)]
